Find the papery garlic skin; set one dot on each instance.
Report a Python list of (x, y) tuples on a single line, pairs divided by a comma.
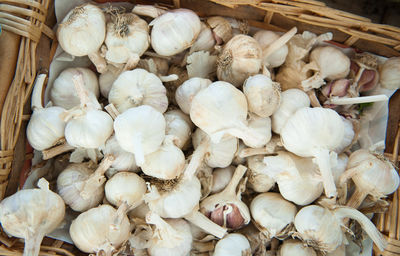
[(221, 178), (125, 187), (258, 180), (277, 58), (124, 161), (100, 229), (272, 214), (295, 247), (174, 31), (140, 131), (263, 95), (240, 58), (107, 79), (179, 126), (389, 74), (127, 38), (186, 92), (205, 41), (233, 245), (63, 92), (138, 87), (31, 214), (347, 137), (260, 126), (291, 101)]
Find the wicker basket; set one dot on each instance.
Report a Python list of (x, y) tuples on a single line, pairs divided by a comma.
[(27, 18)]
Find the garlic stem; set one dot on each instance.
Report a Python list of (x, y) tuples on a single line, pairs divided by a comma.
[(356, 100), (245, 133), (322, 159), (132, 62), (237, 176), (120, 214), (112, 110), (98, 61), (57, 150), (279, 42), (313, 98), (254, 151), (138, 149), (169, 78), (32, 244), (37, 92), (197, 158), (148, 10), (82, 92), (357, 198), (347, 212), (198, 219)]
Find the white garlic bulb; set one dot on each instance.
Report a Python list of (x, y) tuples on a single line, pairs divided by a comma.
[(330, 63), (174, 31), (63, 93), (291, 101), (138, 87), (265, 38), (221, 178), (205, 41), (272, 214), (31, 214), (347, 137), (125, 188), (107, 79), (258, 180), (315, 132), (171, 237), (179, 126), (166, 163), (80, 187), (295, 247), (261, 126), (321, 227), (263, 95), (127, 38), (140, 131), (240, 58), (371, 174), (297, 178), (124, 161), (233, 245), (45, 127), (389, 74), (186, 92), (82, 32), (221, 109), (88, 127), (100, 230)]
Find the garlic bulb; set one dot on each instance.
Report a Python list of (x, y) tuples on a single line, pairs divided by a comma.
[(272, 214), (82, 32), (107, 79), (221, 29), (221, 109), (233, 245), (266, 38), (140, 131), (297, 178), (389, 73), (174, 31), (315, 132), (261, 126), (125, 188), (226, 208), (80, 187), (63, 92), (166, 163), (321, 228), (89, 127), (205, 41), (127, 38), (138, 87), (295, 247), (221, 178), (45, 127), (258, 180), (263, 95), (330, 63), (347, 137), (240, 58), (186, 92), (31, 214), (170, 237), (124, 161), (101, 230), (291, 101), (372, 175), (179, 126)]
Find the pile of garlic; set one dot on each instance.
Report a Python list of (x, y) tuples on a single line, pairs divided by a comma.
[(196, 139)]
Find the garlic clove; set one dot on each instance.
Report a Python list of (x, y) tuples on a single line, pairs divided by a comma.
[(31, 214), (107, 79), (179, 126), (185, 93), (266, 38), (234, 245), (221, 178), (124, 161)]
